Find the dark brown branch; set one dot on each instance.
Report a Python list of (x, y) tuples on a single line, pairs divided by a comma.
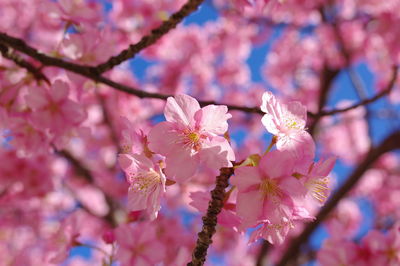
[(210, 219), (327, 77), (9, 54), (87, 71), (21, 46), (79, 168), (265, 246), (390, 143), (150, 39)]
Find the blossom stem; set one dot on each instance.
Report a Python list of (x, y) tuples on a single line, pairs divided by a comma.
[(271, 144), (210, 219)]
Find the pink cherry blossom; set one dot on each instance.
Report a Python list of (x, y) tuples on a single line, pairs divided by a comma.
[(337, 251), (53, 109), (288, 123), (147, 183), (138, 245), (346, 218), (66, 237), (385, 248), (191, 136), (268, 193)]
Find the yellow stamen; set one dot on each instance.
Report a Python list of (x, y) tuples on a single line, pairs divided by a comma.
[(192, 139), (269, 188), (144, 182), (319, 188)]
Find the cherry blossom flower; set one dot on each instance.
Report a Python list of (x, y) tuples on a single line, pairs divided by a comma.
[(268, 193), (287, 122), (60, 243), (53, 109), (147, 183), (337, 251), (138, 245), (191, 136)]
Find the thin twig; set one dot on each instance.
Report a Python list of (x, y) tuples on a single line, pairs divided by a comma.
[(150, 39), (366, 101), (390, 143), (210, 219)]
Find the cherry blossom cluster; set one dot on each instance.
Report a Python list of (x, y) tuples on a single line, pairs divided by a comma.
[(274, 190), (376, 248), (84, 166)]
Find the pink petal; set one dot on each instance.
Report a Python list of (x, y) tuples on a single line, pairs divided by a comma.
[(217, 153), (59, 90), (246, 177), (147, 234), (270, 124), (155, 252), (200, 200), (249, 207), (323, 168), (271, 107), (124, 160), (298, 110), (164, 139), (137, 200), (301, 145), (73, 112), (154, 201), (181, 109), (213, 119), (181, 165), (268, 101), (134, 163), (37, 97), (276, 164)]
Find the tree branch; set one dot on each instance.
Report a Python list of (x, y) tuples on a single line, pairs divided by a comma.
[(9, 54), (390, 143), (150, 39), (210, 219), (327, 77), (87, 71), (366, 101)]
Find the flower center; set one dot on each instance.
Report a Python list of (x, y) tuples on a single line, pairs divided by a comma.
[(146, 181), (269, 187), (192, 139), (292, 122), (319, 188)]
